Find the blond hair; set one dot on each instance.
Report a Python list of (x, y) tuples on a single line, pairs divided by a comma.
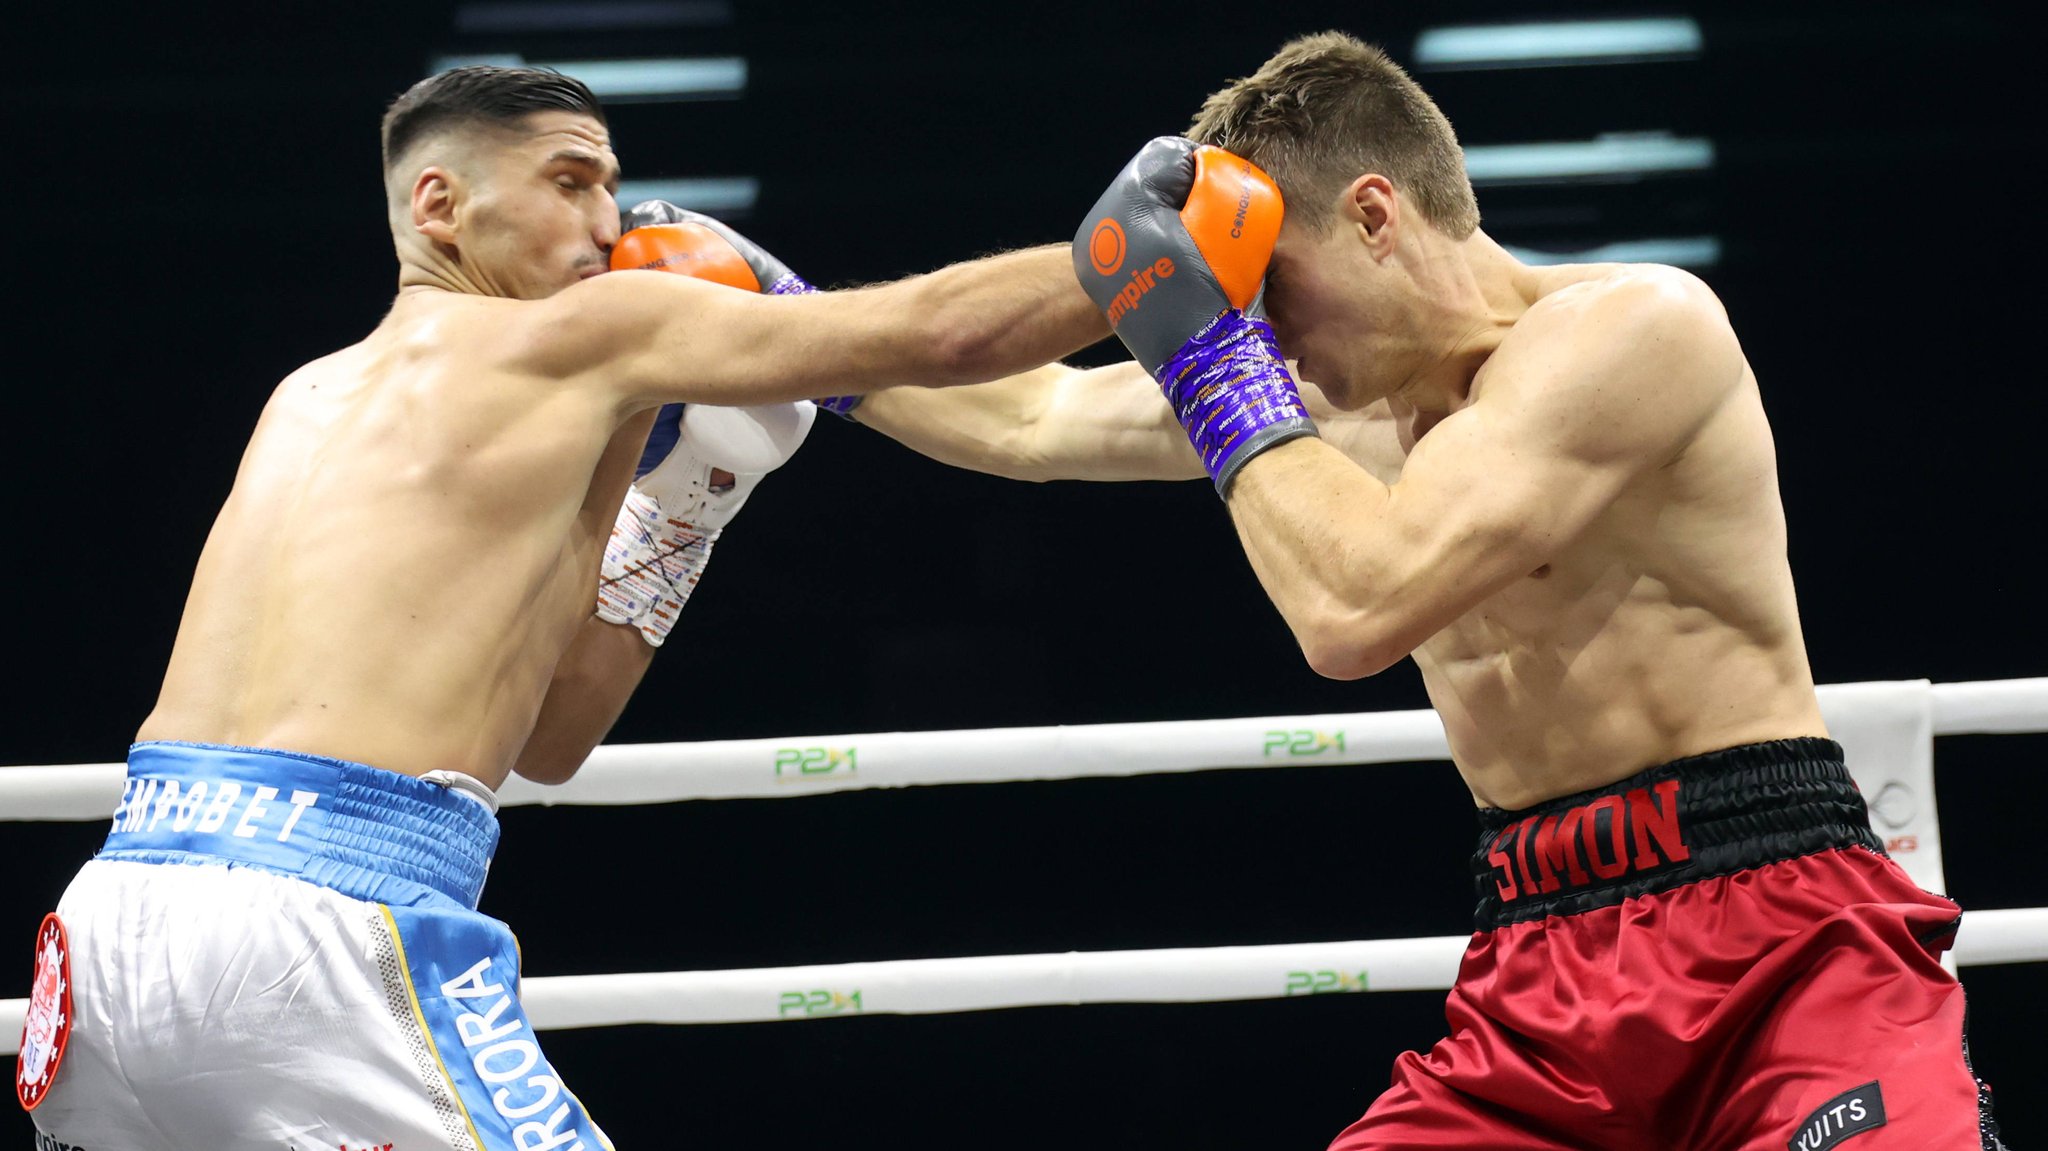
[(1329, 108)]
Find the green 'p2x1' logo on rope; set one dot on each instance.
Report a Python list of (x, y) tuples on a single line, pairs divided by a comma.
[(1324, 982), (811, 1004), (796, 764), (1301, 742)]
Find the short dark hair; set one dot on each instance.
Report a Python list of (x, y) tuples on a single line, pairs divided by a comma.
[(480, 94), (1329, 108)]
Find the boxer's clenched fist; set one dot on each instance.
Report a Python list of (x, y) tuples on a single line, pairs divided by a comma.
[(1182, 235), (700, 465), (659, 236), (1175, 254)]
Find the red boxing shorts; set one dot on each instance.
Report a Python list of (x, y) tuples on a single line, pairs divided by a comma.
[(1712, 954)]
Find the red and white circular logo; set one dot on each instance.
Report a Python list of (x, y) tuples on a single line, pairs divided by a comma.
[(49, 1015)]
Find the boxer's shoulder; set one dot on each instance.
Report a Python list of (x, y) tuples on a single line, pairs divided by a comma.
[(459, 365), (586, 332), (425, 331), (1611, 324), (1609, 292), (1625, 366)]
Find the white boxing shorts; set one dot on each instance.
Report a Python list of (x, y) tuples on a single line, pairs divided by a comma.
[(279, 950)]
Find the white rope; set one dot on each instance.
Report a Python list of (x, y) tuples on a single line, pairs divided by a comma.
[(68, 791), (647, 773), (812, 765), (1991, 707), (990, 982)]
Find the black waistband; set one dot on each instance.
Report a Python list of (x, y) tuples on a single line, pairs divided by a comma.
[(1687, 820)]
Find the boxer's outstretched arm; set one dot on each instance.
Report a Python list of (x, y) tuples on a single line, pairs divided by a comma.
[(1050, 423), (1063, 423), (650, 337), (1594, 387)]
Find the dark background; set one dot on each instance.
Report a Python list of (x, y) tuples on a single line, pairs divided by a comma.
[(195, 210)]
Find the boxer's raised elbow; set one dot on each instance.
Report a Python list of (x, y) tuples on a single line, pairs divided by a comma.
[(547, 771), (1348, 644)]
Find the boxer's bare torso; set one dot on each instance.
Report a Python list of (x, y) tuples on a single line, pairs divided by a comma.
[(1579, 539), (411, 542), (1665, 626)]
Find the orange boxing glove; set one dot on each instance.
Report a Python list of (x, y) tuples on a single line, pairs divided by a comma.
[(656, 235), (1182, 235), (1175, 254)]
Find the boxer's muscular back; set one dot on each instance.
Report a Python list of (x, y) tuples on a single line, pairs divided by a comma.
[(411, 542)]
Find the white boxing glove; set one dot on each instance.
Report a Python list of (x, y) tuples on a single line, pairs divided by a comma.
[(748, 442), (675, 511)]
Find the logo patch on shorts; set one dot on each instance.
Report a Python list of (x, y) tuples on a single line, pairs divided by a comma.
[(49, 1015), (1850, 1113)]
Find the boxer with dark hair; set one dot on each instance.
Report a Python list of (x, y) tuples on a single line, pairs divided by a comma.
[(400, 603)]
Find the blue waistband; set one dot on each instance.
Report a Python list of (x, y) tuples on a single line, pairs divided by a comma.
[(361, 831)]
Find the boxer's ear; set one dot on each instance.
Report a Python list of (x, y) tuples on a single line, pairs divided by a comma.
[(1369, 204), (434, 196)]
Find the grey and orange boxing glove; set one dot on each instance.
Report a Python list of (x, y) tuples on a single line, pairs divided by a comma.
[(1175, 255), (659, 236)]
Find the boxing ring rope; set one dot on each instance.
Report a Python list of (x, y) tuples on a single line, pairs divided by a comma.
[(1880, 713), (620, 774)]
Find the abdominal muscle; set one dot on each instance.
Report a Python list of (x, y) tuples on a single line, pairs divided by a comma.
[(1668, 627), (406, 553), (1533, 715)]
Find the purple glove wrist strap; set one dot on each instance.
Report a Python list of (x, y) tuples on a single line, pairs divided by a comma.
[(1230, 388), (788, 284)]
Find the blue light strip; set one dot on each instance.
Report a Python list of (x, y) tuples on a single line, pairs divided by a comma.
[(589, 15), (1678, 251), (724, 197), (1551, 45), (1602, 159)]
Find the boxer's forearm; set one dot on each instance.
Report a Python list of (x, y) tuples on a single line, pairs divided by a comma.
[(993, 317), (1050, 423), (649, 337), (1313, 526), (593, 680)]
